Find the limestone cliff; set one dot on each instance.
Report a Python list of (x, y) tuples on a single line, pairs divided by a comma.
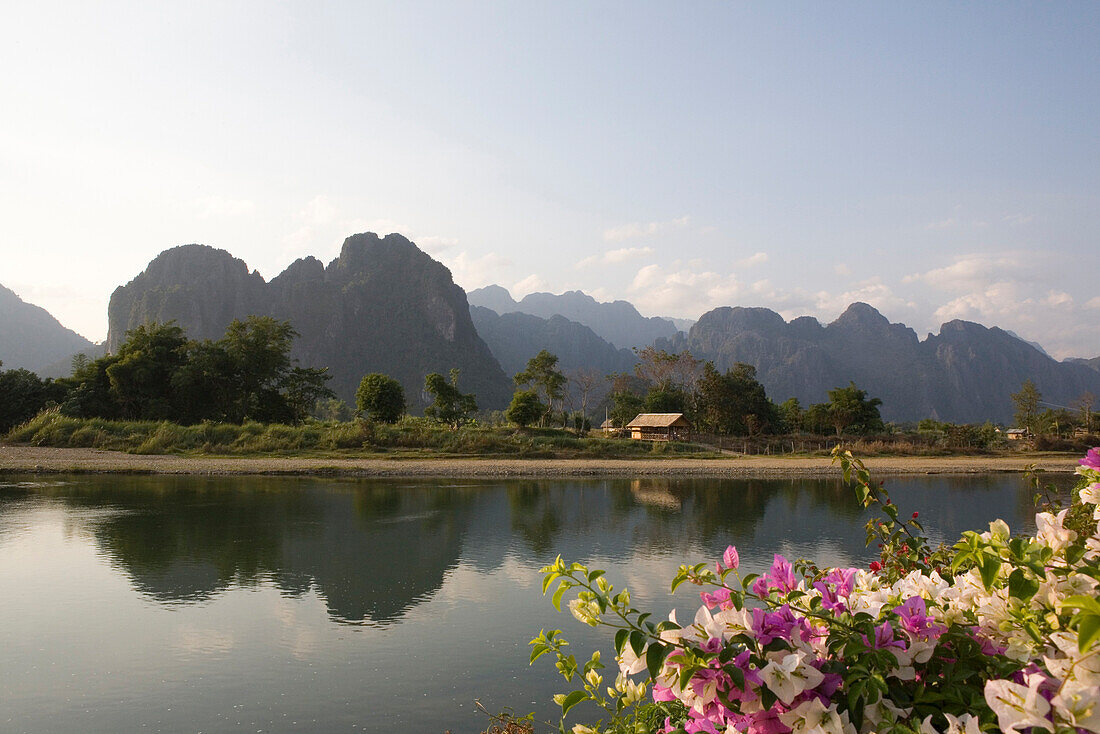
[(383, 305)]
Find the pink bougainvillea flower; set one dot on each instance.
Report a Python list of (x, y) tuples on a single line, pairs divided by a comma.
[(720, 598), (730, 559), (915, 619), (779, 577), (1091, 460)]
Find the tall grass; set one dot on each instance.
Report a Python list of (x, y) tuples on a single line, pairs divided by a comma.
[(411, 436)]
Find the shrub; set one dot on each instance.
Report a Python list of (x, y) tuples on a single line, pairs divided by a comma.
[(996, 633)]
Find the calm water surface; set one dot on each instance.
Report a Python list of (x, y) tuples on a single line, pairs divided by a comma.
[(194, 604)]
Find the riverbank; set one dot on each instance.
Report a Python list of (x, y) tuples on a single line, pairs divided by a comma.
[(41, 460)]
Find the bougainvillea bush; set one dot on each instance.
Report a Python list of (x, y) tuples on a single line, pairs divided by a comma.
[(997, 633)]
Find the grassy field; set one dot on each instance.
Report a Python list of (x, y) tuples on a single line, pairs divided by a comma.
[(411, 437)]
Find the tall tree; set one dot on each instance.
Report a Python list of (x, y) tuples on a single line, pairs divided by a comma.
[(450, 405), (1026, 402), (850, 408), (543, 376), (734, 402), (141, 378), (380, 397), (525, 409)]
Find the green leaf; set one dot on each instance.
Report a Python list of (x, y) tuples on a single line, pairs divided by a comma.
[(1088, 631), (572, 700), (562, 588), (637, 642), (593, 575), (547, 580), (1084, 603), (620, 640), (1020, 586), (988, 570), (654, 656)]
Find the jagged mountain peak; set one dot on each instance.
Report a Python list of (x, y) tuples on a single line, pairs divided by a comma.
[(382, 305)]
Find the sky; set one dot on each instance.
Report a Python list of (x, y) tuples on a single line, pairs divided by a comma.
[(937, 160)]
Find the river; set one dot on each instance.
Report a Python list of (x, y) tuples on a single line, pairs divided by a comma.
[(198, 604)]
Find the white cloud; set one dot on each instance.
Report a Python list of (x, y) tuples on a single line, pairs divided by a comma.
[(842, 269), (1019, 219), (1093, 302), (613, 257), (871, 291), (757, 258), (634, 230), (973, 271), (1058, 299), (472, 272), (531, 284), (682, 292)]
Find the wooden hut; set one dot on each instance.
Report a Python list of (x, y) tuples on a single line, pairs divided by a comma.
[(660, 427)]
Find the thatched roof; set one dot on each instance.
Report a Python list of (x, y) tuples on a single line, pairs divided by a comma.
[(659, 420)]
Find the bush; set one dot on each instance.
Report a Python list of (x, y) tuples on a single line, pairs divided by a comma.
[(996, 633)]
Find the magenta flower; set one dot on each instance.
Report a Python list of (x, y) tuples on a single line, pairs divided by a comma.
[(779, 577), (768, 626), (1092, 459), (884, 638), (730, 559), (915, 620), (720, 598)]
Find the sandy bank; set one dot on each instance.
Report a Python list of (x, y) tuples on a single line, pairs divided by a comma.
[(29, 459)]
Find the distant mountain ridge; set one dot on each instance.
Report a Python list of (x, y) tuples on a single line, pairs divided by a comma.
[(964, 374), (31, 338), (382, 305), (516, 337), (617, 322)]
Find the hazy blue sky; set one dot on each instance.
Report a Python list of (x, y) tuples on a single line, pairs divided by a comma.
[(937, 160)]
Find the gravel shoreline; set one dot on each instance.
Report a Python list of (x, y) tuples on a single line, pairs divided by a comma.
[(39, 460)]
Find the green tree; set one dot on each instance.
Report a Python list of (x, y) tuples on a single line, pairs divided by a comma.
[(625, 407), (525, 408), (380, 397), (450, 406), (542, 374), (734, 402), (816, 419), (850, 408), (266, 386), (141, 378), (1026, 402), (23, 394), (791, 413), (666, 398)]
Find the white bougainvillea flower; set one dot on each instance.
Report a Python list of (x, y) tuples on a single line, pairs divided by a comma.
[(812, 717), (629, 663), (1018, 707), (965, 724), (1078, 705), (1051, 532), (1091, 494), (791, 676)]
